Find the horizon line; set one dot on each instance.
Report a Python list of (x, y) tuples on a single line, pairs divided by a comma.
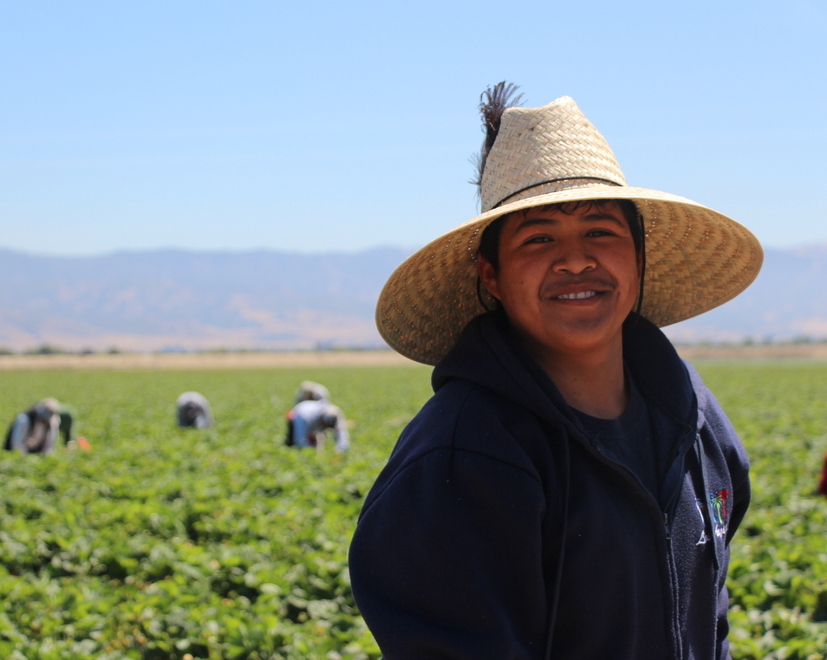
[(306, 253)]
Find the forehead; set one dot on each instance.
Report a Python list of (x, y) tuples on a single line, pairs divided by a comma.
[(588, 211)]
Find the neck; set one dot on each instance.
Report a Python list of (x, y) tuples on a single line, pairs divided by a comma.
[(591, 381)]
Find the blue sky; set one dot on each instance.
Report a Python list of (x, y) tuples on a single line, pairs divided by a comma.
[(326, 126)]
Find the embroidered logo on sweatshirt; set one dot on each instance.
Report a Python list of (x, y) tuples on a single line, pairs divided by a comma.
[(703, 538), (718, 509), (720, 516)]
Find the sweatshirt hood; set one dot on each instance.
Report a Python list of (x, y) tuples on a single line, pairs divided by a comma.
[(488, 354)]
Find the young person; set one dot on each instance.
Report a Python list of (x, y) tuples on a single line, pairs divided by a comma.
[(571, 489)]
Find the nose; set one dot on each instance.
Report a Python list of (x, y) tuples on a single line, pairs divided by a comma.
[(574, 259)]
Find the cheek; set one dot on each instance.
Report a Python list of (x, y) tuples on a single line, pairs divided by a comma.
[(627, 269), (633, 284), (518, 294), (511, 282)]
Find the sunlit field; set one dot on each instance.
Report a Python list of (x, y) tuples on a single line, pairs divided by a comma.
[(169, 543), (778, 572)]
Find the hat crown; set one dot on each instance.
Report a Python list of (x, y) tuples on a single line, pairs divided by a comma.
[(546, 149)]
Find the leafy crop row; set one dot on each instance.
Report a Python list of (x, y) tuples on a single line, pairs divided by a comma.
[(778, 571), (170, 543)]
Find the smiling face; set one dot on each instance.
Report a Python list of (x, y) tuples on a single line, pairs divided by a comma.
[(567, 279)]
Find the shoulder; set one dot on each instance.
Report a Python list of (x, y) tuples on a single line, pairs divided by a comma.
[(465, 429), (309, 407), (710, 412), (464, 416), (714, 422)]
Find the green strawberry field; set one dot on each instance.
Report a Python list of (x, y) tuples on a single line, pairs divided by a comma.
[(163, 542)]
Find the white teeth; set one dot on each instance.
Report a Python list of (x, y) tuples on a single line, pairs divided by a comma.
[(577, 296)]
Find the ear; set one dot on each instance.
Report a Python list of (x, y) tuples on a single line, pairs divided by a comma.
[(488, 276)]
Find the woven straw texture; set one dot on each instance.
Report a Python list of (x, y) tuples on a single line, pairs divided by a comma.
[(696, 258), (532, 147)]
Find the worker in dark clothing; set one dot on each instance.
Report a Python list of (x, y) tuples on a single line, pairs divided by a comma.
[(35, 431), (193, 411), (572, 488)]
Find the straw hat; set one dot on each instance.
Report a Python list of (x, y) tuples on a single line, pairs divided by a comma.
[(696, 258), (46, 408)]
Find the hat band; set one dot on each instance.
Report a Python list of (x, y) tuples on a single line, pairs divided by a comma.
[(587, 180)]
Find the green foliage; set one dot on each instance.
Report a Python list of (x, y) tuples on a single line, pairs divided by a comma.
[(171, 543), (175, 543), (778, 571)]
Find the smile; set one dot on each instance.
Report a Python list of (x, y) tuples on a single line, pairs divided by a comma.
[(577, 296)]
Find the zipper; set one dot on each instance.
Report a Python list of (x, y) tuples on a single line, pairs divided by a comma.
[(631, 476), (674, 623)]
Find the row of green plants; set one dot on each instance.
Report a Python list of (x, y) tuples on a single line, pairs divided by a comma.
[(170, 543), (778, 570)]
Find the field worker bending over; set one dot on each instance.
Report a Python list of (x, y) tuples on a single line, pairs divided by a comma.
[(35, 431), (571, 489), (307, 391), (193, 411), (67, 421), (310, 391), (310, 420)]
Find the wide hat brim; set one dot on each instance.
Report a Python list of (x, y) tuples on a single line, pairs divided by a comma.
[(696, 259)]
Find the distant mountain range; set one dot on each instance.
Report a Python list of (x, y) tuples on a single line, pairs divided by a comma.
[(178, 300)]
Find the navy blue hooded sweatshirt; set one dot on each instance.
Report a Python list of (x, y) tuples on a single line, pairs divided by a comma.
[(498, 529)]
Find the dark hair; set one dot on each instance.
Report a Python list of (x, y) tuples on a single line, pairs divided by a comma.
[(490, 240)]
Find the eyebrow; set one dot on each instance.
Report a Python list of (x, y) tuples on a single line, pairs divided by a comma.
[(591, 217)]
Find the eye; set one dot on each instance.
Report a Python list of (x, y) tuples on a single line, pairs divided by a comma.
[(600, 232), (539, 239)]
